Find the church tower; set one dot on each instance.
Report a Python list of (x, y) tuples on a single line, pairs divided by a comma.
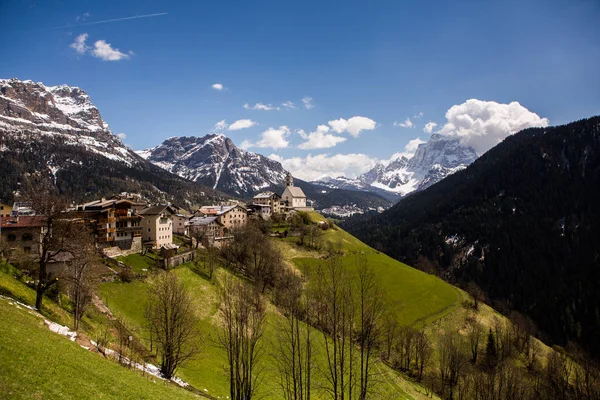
[(289, 180)]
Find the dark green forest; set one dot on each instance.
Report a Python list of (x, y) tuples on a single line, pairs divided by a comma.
[(522, 222)]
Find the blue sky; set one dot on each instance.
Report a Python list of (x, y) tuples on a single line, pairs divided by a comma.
[(384, 61)]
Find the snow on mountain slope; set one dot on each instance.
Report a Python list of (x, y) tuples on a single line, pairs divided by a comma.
[(30, 108), (215, 161), (432, 162)]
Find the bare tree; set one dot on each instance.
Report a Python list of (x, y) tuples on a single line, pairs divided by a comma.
[(474, 333), (335, 316), (370, 320), (172, 321), (79, 271), (198, 233), (452, 361), (242, 310), (294, 348), (391, 329), (54, 239), (423, 352)]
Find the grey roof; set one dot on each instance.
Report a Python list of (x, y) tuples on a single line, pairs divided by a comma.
[(155, 210), (266, 195), (296, 191), (201, 221)]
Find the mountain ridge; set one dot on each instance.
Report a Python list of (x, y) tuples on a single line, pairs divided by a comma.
[(433, 160), (522, 222)]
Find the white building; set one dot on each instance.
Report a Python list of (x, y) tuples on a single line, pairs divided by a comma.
[(293, 197)]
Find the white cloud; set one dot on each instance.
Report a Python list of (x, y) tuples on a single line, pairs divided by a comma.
[(218, 86), (260, 106), (221, 125), (246, 144), (274, 138), (320, 139), (241, 124), (406, 124), (429, 127), (419, 115), (121, 136), (353, 125), (289, 105), (314, 167), (484, 124), (79, 44), (308, 102), (104, 51), (409, 149)]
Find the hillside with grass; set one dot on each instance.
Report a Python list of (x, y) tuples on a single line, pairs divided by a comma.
[(417, 305)]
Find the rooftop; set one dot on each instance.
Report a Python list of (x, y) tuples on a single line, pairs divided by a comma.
[(23, 222)]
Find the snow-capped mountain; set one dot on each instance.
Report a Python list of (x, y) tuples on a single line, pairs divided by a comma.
[(432, 162), (55, 134), (31, 110), (213, 160)]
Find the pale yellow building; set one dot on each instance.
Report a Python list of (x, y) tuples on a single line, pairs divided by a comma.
[(231, 217), (157, 226), (270, 199)]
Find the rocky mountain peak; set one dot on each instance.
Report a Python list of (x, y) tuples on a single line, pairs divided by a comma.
[(434, 160), (214, 160)]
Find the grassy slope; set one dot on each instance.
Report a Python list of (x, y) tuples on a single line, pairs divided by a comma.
[(416, 297), (420, 296), (37, 363)]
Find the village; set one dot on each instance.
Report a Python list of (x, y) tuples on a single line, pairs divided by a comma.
[(124, 224)]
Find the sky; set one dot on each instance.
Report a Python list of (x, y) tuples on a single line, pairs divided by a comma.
[(325, 87)]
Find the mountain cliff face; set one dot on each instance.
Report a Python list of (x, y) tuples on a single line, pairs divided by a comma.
[(433, 161), (213, 160), (522, 221), (56, 134)]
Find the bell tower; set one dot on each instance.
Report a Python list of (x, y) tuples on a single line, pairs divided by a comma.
[(289, 180)]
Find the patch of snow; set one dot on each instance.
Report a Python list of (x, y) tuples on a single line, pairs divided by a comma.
[(61, 330)]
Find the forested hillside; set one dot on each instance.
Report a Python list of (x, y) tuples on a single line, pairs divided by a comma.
[(523, 222)]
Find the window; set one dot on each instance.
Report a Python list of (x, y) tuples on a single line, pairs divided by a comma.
[(27, 237), (27, 249), (148, 229), (11, 238)]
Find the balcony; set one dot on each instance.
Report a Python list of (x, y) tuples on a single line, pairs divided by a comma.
[(107, 220), (129, 229), (106, 239), (107, 230)]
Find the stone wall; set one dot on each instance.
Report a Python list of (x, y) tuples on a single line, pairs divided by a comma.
[(124, 248), (180, 259)]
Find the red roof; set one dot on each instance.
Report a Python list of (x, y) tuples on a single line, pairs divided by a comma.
[(23, 222)]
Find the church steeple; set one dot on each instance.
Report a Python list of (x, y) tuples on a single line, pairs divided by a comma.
[(289, 180)]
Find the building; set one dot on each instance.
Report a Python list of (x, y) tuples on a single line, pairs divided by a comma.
[(293, 197), (23, 233), (22, 208), (232, 217), (5, 210), (269, 199), (115, 223), (179, 221), (157, 226), (260, 210), (209, 228)]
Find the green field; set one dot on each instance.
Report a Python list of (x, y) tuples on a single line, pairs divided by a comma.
[(417, 298), (39, 364)]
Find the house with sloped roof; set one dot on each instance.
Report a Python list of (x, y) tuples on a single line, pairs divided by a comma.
[(293, 197), (270, 199), (232, 217), (23, 233), (205, 229), (157, 226)]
